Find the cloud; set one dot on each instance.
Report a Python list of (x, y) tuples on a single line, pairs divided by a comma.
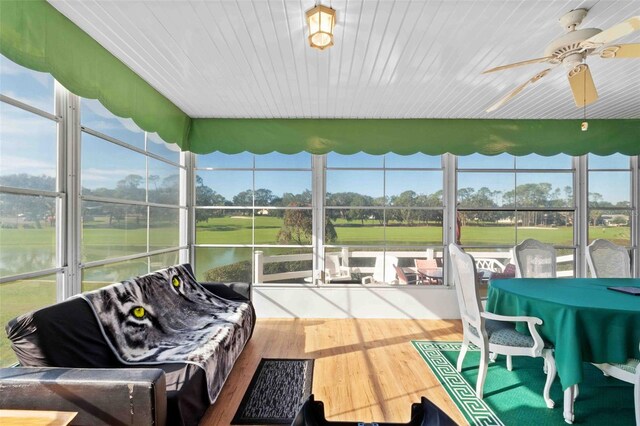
[(8, 67), (13, 164), (97, 178), (19, 123), (99, 110)]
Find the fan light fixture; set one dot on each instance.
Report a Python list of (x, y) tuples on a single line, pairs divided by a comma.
[(321, 20)]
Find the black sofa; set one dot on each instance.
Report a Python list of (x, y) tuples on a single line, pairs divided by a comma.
[(66, 365)]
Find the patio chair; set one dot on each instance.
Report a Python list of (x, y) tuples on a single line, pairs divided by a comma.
[(406, 278), (423, 266), (608, 260), (494, 334), (535, 259), (334, 271), (628, 372), (383, 271)]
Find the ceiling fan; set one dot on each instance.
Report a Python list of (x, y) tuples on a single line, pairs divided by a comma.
[(571, 50)]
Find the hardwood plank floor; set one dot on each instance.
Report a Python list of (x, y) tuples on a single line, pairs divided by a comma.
[(365, 370)]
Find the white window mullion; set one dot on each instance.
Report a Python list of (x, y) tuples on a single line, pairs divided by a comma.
[(581, 225), (449, 214), (635, 220), (71, 235), (188, 215), (318, 222)]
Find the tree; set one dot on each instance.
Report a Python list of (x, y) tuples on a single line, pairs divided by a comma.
[(297, 227), (129, 188), (205, 196), (30, 208), (263, 197), (244, 198)]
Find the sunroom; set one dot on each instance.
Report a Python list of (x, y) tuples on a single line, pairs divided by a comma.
[(337, 181)]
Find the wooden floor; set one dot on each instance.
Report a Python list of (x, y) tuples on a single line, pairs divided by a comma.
[(365, 370)]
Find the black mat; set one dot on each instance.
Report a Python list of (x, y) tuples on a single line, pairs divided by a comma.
[(277, 390)]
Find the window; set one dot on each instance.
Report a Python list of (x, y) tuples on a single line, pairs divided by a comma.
[(132, 213), (503, 200), (609, 201), (383, 212), (253, 217), (31, 195)]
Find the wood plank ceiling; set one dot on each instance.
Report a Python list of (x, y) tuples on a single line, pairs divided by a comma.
[(391, 59)]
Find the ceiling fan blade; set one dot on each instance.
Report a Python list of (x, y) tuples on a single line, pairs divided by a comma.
[(582, 87), (517, 90), (621, 51), (517, 64), (607, 36)]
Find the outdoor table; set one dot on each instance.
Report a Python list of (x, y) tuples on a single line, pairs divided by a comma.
[(585, 321), (429, 274)]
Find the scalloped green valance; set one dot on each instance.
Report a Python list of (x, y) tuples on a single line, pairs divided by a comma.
[(430, 136), (35, 35)]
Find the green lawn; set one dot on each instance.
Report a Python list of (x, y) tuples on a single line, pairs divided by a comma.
[(238, 230), (19, 297)]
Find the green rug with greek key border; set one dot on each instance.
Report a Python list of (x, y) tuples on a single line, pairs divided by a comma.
[(515, 397)]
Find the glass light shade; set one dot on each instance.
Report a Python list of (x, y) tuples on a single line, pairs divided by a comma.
[(321, 20)]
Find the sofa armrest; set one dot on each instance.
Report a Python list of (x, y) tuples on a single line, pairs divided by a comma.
[(127, 396), (232, 291)]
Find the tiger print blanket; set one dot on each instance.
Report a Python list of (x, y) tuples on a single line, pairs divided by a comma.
[(168, 317)]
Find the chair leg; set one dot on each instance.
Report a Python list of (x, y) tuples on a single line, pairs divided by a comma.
[(482, 371), (493, 356), (509, 363), (568, 405), (550, 364), (463, 352), (636, 394), (576, 391)]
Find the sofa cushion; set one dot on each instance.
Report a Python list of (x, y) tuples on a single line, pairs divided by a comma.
[(62, 335), (166, 317)]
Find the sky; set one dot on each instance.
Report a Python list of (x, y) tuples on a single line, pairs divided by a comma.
[(27, 144)]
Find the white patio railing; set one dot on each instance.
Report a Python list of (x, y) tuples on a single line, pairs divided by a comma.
[(489, 260)]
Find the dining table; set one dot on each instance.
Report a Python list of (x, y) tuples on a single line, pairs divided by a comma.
[(583, 319)]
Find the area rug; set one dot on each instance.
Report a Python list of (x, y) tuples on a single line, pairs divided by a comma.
[(515, 397), (277, 390)]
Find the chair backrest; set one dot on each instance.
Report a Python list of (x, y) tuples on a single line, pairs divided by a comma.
[(425, 264), (384, 270), (464, 279), (535, 259), (332, 265), (402, 277), (608, 260)]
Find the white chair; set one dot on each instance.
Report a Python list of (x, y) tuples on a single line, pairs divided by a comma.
[(495, 334), (630, 373), (535, 259), (383, 271), (334, 271), (608, 260)]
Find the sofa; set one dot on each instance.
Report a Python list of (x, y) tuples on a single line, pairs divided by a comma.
[(68, 363)]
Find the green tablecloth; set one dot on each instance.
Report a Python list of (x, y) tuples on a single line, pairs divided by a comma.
[(584, 320)]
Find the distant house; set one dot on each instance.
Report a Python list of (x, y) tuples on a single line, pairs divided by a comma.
[(613, 220), (263, 212)]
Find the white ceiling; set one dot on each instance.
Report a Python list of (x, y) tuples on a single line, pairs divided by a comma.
[(391, 59)]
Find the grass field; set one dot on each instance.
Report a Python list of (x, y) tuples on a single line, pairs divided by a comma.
[(18, 297), (238, 230), (33, 249)]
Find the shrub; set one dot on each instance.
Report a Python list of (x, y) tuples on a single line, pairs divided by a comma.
[(239, 271)]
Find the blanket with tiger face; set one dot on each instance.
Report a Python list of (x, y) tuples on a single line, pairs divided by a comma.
[(168, 317)]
